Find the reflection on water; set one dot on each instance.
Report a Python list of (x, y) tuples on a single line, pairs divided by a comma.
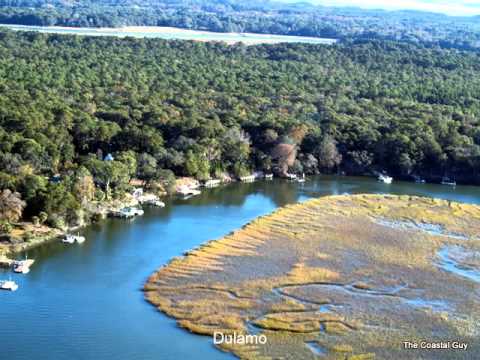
[(84, 301)]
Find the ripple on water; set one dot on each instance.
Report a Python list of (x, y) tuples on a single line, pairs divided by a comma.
[(459, 261)]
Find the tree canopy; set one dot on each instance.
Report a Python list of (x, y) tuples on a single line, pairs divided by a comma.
[(205, 109)]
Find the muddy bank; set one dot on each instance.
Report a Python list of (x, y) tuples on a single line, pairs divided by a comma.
[(344, 277)]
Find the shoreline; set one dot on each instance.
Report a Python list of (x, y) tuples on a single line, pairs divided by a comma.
[(105, 210), (29, 236)]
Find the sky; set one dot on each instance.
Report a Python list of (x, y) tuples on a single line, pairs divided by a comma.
[(449, 7)]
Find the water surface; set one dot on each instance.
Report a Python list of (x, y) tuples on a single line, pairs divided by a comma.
[(84, 301)]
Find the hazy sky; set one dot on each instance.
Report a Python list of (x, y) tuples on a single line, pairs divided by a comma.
[(450, 7)]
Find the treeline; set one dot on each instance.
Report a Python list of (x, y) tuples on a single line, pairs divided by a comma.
[(250, 16), (208, 109)]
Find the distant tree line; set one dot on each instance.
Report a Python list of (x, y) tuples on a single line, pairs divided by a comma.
[(181, 108), (250, 16)]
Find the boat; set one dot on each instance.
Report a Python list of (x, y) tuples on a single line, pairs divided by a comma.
[(301, 179), (154, 202), (8, 285), (22, 266), (268, 176), (447, 181), (187, 191), (291, 176), (157, 203), (385, 179), (419, 180), (72, 239), (129, 212)]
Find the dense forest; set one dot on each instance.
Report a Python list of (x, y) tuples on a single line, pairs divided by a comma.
[(164, 108), (249, 16)]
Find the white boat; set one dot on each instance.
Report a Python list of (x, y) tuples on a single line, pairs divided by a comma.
[(22, 266), (447, 181), (72, 239), (158, 203), (385, 179), (21, 269), (268, 176), (186, 191), (291, 176), (154, 202), (130, 212), (301, 179), (8, 285)]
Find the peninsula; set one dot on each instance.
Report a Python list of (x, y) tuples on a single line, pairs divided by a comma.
[(328, 276)]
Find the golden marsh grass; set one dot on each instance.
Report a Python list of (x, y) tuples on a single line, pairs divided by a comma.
[(354, 275)]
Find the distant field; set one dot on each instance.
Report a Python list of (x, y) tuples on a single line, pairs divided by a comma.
[(174, 33)]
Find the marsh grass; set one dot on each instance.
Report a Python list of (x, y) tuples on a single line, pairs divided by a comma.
[(327, 272)]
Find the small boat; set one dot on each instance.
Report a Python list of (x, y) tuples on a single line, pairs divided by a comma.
[(22, 266), (448, 181), (8, 285), (154, 202), (129, 212), (302, 179), (187, 191), (268, 176), (158, 203), (418, 179), (21, 269), (385, 179), (291, 176), (72, 239)]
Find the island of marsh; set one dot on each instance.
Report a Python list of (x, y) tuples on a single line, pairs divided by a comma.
[(342, 277)]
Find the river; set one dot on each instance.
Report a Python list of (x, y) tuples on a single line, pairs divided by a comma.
[(173, 33), (85, 302)]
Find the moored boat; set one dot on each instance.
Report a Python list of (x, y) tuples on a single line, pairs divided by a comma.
[(188, 191), (301, 179), (385, 179), (447, 181), (22, 266), (129, 212), (72, 239), (419, 180), (8, 285)]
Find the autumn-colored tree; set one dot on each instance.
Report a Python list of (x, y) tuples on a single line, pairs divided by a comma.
[(84, 186), (328, 155), (11, 206), (284, 156)]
